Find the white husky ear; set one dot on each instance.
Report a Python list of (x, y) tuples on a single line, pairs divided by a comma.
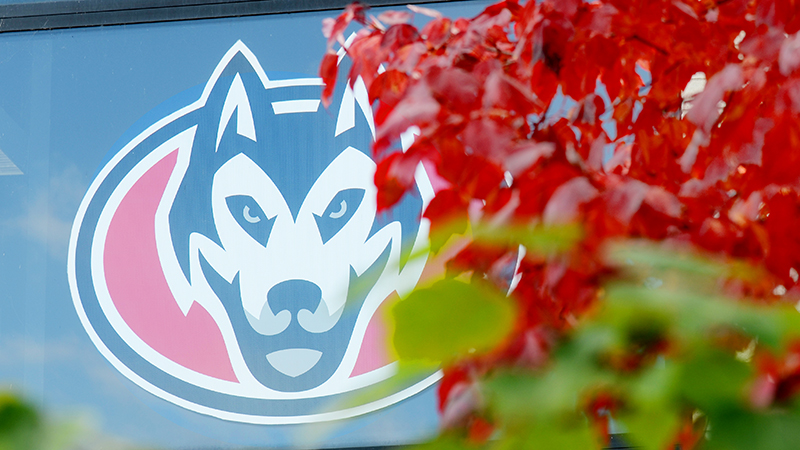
[(237, 101)]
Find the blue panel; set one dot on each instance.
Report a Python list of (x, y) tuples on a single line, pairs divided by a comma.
[(89, 117)]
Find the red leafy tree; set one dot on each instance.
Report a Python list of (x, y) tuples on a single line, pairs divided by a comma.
[(542, 114)]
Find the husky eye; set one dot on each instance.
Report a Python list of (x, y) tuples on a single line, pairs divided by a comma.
[(341, 212), (338, 212), (250, 217)]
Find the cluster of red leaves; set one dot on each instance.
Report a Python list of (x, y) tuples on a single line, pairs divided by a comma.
[(485, 94)]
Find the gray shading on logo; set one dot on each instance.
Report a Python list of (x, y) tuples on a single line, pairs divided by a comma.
[(7, 167)]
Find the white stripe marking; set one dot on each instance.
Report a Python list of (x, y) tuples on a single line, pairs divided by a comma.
[(295, 106)]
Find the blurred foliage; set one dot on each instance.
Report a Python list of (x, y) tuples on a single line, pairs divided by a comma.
[(666, 354), (20, 424), (540, 114), (23, 426), (557, 128), (457, 318)]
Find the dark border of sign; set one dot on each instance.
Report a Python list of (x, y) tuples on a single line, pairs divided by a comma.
[(50, 15)]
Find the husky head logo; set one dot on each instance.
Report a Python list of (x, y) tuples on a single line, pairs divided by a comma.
[(230, 258)]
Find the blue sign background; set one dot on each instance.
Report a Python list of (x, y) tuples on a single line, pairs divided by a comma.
[(67, 98)]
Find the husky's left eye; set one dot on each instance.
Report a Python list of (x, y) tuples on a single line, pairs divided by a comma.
[(341, 212), (250, 217), (338, 212)]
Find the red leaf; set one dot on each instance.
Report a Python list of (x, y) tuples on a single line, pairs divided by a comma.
[(395, 17), (480, 430), (689, 434), (501, 8), (663, 201), (566, 7), (390, 189), (504, 92), (328, 71), (716, 235), (475, 256), (389, 88), (538, 186), (544, 82), (764, 45), (452, 377), (394, 176), (333, 30), (776, 13), (425, 11), (328, 26), (620, 161), (448, 215), (526, 154), (600, 408), (601, 19), (398, 36), (564, 205), (418, 107), (782, 167), (623, 201), (367, 55), (789, 56), (704, 112), (458, 89), (489, 138), (743, 212), (783, 220), (462, 402), (477, 177), (436, 32)]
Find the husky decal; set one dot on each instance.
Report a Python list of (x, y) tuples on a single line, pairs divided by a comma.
[(230, 258)]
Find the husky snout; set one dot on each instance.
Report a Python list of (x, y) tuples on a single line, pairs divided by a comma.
[(294, 296), (299, 300)]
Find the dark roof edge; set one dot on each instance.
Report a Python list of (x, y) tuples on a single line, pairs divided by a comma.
[(49, 15)]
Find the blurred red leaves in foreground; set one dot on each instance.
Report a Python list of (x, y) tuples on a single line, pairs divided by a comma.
[(621, 156)]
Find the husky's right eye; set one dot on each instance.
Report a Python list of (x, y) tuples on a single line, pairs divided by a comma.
[(338, 213), (250, 217)]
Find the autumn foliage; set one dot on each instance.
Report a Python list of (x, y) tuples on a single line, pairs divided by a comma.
[(556, 113)]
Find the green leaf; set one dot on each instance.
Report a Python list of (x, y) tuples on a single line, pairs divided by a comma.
[(713, 379), (451, 319), (651, 429), (647, 255), (655, 387), (554, 435), (521, 396), (20, 425), (525, 397), (540, 240), (445, 442), (740, 429)]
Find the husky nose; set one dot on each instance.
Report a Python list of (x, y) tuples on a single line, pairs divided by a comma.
[(293, 296)]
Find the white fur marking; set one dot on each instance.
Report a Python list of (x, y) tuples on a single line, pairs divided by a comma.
[(295, 106), (347, 112), (362, 98), (237, 101), (294, 361)]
